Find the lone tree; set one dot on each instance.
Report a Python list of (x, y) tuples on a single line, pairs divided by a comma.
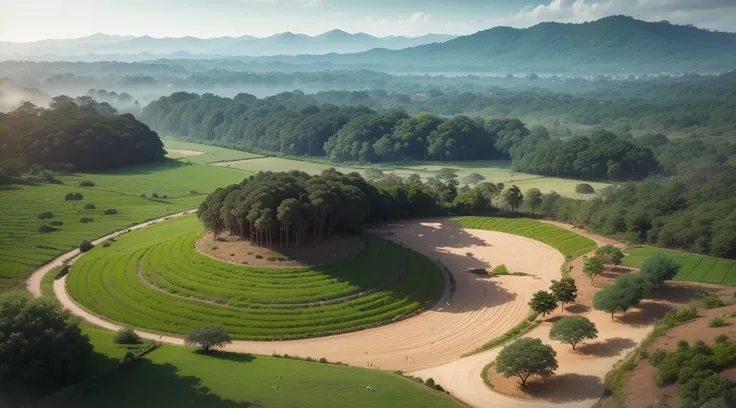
[(526, 357), (658, 269), (584, 188), (85, 246), (593, 267), (564, 291), (626, 292), (609, 255), (534, 198), (207, 337), (543, 302), (472, 179), (573, 330), (40, 348)]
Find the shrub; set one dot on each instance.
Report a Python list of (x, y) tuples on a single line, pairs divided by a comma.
[(686, 314), (430, 382), (85, 246), (657, 357), (716, 322), (722, 339), (164, 196), (111, 211), (500, 270), (154, 195), (56, 223), (193, 192), (712, 302), (45, 229), (127, 336), (69, 197), (85, 220), (323, 360), (143, 196), (584, 188), (89, 206), (45, 215), (87, 183), (259, 256)]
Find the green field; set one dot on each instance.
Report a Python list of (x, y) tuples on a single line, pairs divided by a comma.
[(23, 247), (694, 267), (570, 244), (178, 377), (210, 154), (241, 298)]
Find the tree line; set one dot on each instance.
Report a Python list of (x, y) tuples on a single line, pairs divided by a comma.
[(73, 135)]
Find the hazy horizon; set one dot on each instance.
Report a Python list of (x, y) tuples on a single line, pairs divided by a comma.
[(34, 20)]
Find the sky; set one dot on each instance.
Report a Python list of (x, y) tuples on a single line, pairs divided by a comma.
[(31, 20)]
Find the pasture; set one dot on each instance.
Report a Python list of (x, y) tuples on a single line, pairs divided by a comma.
[(184, 289), (693, 267), (176, 377), (23, 247), (570, 244), (210, 154)]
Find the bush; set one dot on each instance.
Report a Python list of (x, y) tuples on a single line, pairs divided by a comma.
[(193, 192), (87, 183), (584, 188), (716, 322), (73, 196), (85, 220), (722, 339), (430, 382), (143, 196), (56, 223), (657, 357), (45, 215), (500, 270), (111, 211), (164, 196), (89, 206), (45, 229), (686, 314), (85, 246), (154, 195), (712, 302), (259, 256), (127, 336)]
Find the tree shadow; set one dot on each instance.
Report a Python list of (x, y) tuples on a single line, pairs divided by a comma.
[(147, 168), (143, 385), (646, 314), (608, 348), (224, 355), (680, 293), (577, 308), (565, 388)]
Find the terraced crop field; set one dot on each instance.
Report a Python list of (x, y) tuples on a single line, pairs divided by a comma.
[(155, 279), (567, 242), (693, 267)]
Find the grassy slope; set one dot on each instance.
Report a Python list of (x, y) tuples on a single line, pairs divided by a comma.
[(567, 242), (23, 248), (211, 154), (694, 267), (106, 281), (175, 377)]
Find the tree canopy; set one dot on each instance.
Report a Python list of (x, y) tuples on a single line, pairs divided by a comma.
[(573, 330), (526, 357)]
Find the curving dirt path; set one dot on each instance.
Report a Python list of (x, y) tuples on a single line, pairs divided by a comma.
[(481, 308)]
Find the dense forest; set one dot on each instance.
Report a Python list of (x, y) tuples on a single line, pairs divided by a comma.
[(73, 135)]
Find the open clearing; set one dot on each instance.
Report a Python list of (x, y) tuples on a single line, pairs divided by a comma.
[(23, 247), (203, 154), (250, 302), (177, 377), (694, 267), (496, 171)]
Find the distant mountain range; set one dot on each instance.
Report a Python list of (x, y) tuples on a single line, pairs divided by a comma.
[(617, 44), (335, 41)]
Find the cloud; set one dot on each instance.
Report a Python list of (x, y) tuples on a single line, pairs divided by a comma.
[(714, 14)]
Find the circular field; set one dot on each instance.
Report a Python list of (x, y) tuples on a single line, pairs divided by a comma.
[(155, 279)]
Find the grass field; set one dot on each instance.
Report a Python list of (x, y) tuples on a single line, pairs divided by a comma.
[(570, 244), (242, 298), (23, 247), (210, 154), (694, 267), (178, 377)]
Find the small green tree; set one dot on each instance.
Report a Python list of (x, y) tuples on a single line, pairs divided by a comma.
[(527, 357), (543, 302), (584, 188), (593, 267), (534, 199), (472, 179), (126, 336), (513, 198), (207, 337), (626, 292), (609, 255), (85, 246), (573, 330), (659, 268), (564, 291)]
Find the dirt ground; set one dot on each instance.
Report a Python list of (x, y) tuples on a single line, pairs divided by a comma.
[(241, 252), (640, 387), (184, 152)]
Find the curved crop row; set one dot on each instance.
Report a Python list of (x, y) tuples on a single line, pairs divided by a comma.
[(106, 281), (570, 244)]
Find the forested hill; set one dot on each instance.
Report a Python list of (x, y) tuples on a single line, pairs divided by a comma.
[(616, 44), (73, 135)]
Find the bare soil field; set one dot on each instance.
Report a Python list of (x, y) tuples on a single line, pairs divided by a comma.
[(184, 152)]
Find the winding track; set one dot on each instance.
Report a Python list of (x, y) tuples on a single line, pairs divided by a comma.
[(433, 342)]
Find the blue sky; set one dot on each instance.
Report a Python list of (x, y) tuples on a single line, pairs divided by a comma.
[(29, 20)]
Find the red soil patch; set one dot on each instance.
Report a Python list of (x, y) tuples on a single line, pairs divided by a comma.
[(236, 251)]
